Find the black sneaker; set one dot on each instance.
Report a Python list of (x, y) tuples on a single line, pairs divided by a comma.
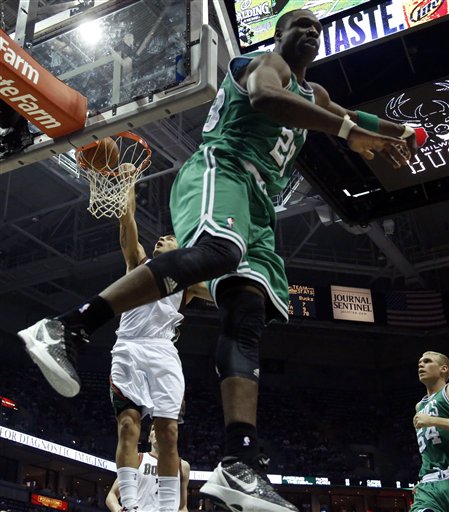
[(54, 349), (239, 488)]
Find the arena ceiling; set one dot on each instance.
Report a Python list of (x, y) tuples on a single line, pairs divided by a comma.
[(54, 253)]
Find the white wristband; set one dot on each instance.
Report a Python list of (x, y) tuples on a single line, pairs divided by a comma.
[(408, 131), (346, 126)]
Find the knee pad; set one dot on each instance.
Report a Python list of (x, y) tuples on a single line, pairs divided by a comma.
[(209, 258), (242, 315)]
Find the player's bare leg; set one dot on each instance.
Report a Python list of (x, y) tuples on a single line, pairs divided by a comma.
[(235, 483), (136, 288), (127, 459), (53, 343), (168, 463), (239, 398)]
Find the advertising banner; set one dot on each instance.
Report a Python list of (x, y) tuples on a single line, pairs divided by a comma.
[(52, 106), (352, 304), (256, 21)]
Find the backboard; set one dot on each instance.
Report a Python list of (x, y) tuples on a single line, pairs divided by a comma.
[(136, 61)]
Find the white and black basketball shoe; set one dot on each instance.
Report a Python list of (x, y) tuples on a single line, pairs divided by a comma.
[(55, 349), (239, 488)]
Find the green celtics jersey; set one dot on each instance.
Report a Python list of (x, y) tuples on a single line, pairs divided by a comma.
[(251, 138), (434, 442)]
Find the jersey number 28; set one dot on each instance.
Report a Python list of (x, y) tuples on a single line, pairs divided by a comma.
[(284, 149)]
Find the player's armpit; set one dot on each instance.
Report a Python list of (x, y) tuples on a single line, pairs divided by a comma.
[(199, 290)]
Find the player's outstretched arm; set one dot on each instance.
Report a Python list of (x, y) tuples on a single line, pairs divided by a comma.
[(368, 121), (112, 498), (266, 79), (132, 250)]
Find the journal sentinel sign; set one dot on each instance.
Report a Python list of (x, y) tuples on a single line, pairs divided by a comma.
[(352, 304), (376, 22)]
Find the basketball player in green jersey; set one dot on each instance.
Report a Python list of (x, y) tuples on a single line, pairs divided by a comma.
[(432, 429), (224, 221)]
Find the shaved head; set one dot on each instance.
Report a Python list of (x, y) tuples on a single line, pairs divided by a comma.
[(285, 18)]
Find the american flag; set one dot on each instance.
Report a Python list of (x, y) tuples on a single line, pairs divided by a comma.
[(416, 309)]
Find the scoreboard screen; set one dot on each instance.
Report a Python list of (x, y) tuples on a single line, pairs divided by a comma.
[(302, 301)]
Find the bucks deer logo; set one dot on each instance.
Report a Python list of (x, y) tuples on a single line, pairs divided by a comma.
[(433, 115)]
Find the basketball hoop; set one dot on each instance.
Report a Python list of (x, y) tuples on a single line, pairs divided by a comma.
[(112, 166)]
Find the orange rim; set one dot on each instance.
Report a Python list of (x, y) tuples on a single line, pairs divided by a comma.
[(129, 135)]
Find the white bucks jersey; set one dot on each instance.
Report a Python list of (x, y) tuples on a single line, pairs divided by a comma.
[(147, 486), (155, 320)]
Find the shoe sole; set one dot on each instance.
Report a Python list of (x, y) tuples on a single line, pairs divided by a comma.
[(58, 379), (237, 501)]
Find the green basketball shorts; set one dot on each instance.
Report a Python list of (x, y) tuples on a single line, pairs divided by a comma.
[(431, 497), (227, 199)]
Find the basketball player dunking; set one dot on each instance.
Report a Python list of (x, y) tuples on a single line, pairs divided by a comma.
[(147, 482), (146, 375), (224, 221)]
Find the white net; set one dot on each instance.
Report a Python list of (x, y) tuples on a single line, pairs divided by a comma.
[(111, 170)]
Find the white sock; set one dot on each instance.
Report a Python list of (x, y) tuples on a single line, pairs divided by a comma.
[(127, 484), (169, 493)]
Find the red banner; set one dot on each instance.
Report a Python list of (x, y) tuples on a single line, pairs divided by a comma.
[(46, 501), (422, 11), (31, 90), (7, 402)]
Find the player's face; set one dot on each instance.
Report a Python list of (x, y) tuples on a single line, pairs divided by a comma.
[(165, 244), (429, 368), (300, 39)]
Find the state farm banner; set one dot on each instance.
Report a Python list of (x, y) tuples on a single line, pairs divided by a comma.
[(352, 304), (37, 95)]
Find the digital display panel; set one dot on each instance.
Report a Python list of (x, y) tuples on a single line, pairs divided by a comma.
[(256, 20), (342, 481), (301, 301), (428, 106)]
